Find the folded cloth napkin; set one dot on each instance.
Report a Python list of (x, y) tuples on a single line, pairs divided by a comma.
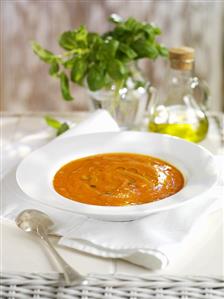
[(152, 241)]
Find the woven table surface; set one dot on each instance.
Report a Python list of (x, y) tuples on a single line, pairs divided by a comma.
[(17, 285)]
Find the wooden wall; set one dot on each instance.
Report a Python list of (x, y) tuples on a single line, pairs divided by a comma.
[(25, 83)]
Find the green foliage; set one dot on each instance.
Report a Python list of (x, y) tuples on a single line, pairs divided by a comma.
[(43, 54), (74, 39), (117, 70), (79, 68), (101, 59), (57, 125), (96, 78), (63, 128), (64, 83), (54, 69)]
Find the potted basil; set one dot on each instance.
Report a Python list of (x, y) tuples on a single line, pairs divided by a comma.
[(107, 65)]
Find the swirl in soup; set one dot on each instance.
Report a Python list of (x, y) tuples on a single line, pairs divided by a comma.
[(117, 179)]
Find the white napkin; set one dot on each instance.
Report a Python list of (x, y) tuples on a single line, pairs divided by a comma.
[(152, 241)]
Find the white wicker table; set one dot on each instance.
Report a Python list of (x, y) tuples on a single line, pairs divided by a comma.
[(28, 272), (24, 286)]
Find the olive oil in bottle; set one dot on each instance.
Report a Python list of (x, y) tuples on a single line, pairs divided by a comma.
[(177, 111)]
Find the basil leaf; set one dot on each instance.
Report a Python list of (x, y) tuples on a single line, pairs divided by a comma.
[(96, 78), (42, 53), (95, 49), (70, 40), (93, 38), (108, 49), (145, 49), (78, 70), (67, 40), (63, 128), (54, 69), (81, 36), (52, 122), (116, 69), (127, 51), (151, 30), (132, 25), (156, 30), (65, 87), (163, 51), (68, 64)]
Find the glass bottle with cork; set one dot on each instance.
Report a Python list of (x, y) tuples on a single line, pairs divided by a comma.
[(176, 111)]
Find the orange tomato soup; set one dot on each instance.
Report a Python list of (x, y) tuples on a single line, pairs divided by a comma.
[(117, 179)]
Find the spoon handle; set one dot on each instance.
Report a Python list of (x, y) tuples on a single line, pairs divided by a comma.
[(69, 273)]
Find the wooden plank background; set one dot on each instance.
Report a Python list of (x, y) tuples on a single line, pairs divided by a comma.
[(25, 83)]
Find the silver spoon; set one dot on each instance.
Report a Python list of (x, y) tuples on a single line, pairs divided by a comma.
[(34, 221)]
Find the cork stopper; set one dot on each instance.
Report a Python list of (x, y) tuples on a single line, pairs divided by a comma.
[(182, 58)]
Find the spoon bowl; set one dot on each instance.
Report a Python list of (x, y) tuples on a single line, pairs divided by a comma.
[(29, 220)]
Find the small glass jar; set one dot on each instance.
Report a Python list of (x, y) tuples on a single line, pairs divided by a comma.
[(127, 104), (178, 110)]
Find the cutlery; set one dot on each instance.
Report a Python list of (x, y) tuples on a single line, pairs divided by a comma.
[(37, 222)]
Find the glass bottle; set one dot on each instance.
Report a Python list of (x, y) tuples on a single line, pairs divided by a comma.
[(177, 111), (127, 104)]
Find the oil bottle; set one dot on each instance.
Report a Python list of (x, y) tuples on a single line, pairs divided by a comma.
[(176, 111)]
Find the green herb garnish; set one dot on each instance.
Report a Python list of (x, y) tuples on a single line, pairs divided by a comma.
[(101, 60), (60, 127)]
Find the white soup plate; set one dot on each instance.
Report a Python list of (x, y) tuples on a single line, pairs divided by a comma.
[(36, 172)]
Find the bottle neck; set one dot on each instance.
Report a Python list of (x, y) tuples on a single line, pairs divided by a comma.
[(177, 84), (181, 73)]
